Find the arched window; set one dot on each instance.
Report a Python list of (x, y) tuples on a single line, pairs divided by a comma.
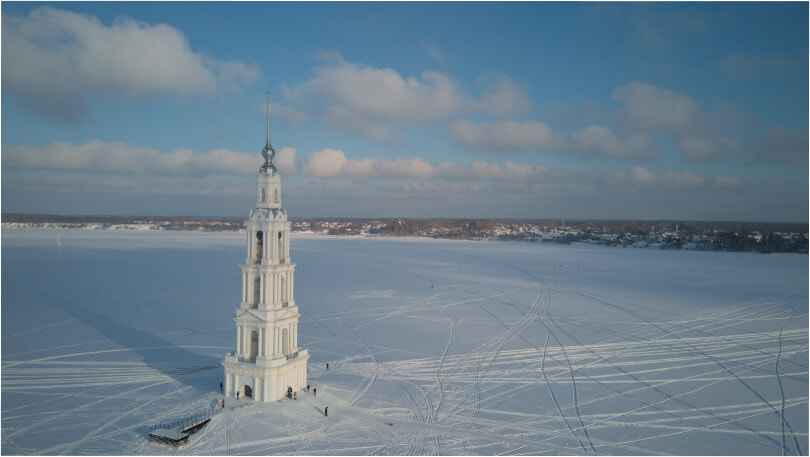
[(280, 247), (277, 199), (254, 345), (259, 246), (264, 196), (257, 291)]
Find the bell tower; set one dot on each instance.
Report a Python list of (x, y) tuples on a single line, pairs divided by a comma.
[(267, 360)]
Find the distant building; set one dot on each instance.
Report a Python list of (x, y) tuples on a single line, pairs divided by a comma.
[(267, 361)]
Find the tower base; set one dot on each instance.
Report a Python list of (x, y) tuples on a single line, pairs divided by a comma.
[(265, 380)]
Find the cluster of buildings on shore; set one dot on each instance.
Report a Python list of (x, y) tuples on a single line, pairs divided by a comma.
[(656, 235)]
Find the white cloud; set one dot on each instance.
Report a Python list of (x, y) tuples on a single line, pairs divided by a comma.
[(370, 101), (484, 171), (503, 97), (599, 141), (291, 115), (326, 163), (118, 158), (783, 145), (641, 178), (682, 179), (332, 163), (503, 135), (350, 95), (708, 148), (52, 59), (285, 161), (727, 181), (648, 108)]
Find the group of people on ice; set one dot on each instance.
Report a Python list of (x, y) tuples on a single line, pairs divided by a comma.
[(294, 395)]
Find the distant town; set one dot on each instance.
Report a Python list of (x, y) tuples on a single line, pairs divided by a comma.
[(765, 237)]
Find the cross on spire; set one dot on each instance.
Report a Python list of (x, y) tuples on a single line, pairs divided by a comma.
[(268, 118), (268, 152)]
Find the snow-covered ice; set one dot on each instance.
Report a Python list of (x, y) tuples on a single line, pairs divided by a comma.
[(435, 347)]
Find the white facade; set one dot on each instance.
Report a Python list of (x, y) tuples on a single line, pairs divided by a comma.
[(267, 361)]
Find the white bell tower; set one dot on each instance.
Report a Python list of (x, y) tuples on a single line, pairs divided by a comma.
[(267, 361)]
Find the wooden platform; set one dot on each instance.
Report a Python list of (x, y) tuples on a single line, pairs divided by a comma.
[(177, 436)]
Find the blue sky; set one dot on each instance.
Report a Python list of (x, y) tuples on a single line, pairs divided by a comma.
[(525, 110)]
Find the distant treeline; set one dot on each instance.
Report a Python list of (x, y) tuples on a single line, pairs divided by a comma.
[(218, 224), (669, 234)]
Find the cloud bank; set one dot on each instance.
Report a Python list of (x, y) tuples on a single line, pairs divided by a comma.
[(370, 101), (218, 182), (54, 59)]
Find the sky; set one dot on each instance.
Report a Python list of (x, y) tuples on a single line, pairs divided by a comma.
[(690, 111)]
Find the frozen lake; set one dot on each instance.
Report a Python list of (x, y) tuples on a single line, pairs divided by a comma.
[(465, 347)]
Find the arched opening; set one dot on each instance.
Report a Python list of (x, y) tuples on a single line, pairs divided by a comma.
[(257, 290), (283, 292), (285, 344), (277, 199), (254, 345), (280, 247), (264, 196), (248, 391), (259, 246)]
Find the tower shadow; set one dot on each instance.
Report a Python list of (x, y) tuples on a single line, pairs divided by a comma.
[(182, 365)]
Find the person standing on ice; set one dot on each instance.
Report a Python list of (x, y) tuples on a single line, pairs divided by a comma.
[(327, 367), (314, 392), (326, 411), (237, 395)]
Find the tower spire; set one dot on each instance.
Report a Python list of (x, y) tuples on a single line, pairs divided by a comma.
[(268, 152), (268, 119)]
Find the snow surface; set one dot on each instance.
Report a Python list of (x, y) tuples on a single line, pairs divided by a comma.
[(435, 348)]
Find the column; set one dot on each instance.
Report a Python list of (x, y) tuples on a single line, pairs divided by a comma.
[(262, 287), (238, 341), (244, 287), (275, 288), (272, 247), (261, 343), (245, 342), (228, 384), (266, 249)]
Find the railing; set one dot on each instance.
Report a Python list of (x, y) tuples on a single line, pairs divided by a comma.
[(187, 422), (248, 359), (292, 356)]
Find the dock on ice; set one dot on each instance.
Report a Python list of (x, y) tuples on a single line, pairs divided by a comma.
[(178, 432)]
